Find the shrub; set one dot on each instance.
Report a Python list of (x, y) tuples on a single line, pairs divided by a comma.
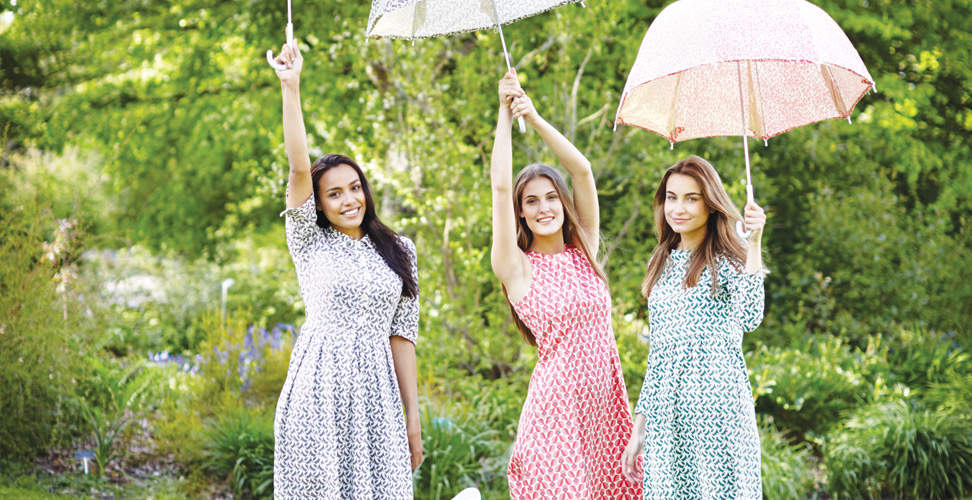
[(239, 445), (807, 388), (41, 324), (899, 449), (921, 358), (113, 397), (786, 468), (458, 454)]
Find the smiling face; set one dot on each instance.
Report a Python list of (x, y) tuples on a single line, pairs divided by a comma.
[(685, 208), (342, 199), (541, 207)]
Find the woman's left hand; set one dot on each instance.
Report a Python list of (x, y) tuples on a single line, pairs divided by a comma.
[(754, 219), (522, 107), (413, 427)]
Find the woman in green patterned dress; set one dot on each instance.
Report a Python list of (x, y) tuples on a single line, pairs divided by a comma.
[(704, 285)]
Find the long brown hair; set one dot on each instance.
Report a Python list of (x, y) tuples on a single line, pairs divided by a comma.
[(387, 242), (571, 230), (720, 238)]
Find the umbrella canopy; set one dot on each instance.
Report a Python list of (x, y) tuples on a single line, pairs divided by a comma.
[(741, 67), (412, 19)]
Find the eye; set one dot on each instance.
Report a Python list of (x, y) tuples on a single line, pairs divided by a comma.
[(332, 194), (356, 187), (551, 197), (531, 201), (670, 197)]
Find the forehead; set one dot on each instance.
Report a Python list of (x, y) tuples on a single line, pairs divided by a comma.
[(538, 186), (681, 184), (339, 176)]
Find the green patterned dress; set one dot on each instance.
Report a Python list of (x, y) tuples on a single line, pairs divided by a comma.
[(701, 439)]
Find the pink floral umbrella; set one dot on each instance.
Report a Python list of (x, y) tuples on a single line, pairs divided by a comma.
[(741, 67)]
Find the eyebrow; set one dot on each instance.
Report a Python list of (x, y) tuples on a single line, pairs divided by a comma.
[(686, 194), (335, 188)]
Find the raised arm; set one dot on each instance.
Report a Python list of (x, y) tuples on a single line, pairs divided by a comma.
[(577, 165), (299, 186), (509, 262)]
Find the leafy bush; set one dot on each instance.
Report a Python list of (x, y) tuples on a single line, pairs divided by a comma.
[(807, 388), (114, 396), (458, 454), (921, 358), (786, 468), (899, 449), (239, 445), (41, 322)]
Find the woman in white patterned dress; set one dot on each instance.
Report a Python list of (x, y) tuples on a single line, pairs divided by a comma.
[(339, 428), (695, 417)]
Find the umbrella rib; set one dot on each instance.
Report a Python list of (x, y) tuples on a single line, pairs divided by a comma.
[(673, 109), (757, 95), (834, 90)]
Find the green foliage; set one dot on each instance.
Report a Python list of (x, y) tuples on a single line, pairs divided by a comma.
[(112, 396), (921, 359), (786, 468), (459, 452), (239, 446), (41, 321), (900, 449), (807, 388)]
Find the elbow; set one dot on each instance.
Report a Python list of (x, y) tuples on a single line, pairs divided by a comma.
[(502, 189)]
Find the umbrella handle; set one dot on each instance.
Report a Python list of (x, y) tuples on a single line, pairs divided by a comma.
[(744, 234), (290, 40)]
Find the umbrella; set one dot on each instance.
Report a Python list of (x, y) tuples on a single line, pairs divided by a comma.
[(411, 19), (741, 67), (290, 41)]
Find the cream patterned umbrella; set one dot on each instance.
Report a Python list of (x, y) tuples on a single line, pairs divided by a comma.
[(411, 19), (751, 68)]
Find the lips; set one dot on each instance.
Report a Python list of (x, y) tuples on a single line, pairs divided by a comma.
[(544, 220), (351, 213)]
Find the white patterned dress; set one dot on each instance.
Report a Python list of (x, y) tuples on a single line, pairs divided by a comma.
[(339, 428), (701, 440)]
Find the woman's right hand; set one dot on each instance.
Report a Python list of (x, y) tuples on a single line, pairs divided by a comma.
[(294, 62), (629, 460), (509, 88)]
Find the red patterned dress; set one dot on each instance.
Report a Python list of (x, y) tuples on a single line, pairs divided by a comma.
[(576, 420)]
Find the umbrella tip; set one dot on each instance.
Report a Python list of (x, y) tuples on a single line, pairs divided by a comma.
[(583, 5), (849, 119), (765, 143), (671, 146)]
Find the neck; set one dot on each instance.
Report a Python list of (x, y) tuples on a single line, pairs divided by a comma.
[(549, 244), (354, 232), (691, 241)]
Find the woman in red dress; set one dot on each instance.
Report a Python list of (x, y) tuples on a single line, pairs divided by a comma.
[(576, 418)]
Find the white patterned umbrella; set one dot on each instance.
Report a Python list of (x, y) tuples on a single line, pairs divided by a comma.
[(741, 67), (411, 19)]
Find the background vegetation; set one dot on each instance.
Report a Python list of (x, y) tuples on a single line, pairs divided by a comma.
[(141, 164)]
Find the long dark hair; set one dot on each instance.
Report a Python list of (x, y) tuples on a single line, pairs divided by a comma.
[(386, 241), (720, 239), (571, 229)]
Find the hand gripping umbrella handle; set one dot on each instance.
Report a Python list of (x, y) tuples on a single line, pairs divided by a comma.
[(290, 40), (739, 224)]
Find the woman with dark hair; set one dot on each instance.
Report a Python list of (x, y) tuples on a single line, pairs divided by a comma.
[(339, 426), (575, 420), (704, 285)]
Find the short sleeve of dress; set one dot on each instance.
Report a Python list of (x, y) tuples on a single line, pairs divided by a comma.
[(746, 293), (405, 322), (301, 224)]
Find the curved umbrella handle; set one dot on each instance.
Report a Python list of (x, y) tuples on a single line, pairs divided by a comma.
[(744, 234), (290, 40)]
